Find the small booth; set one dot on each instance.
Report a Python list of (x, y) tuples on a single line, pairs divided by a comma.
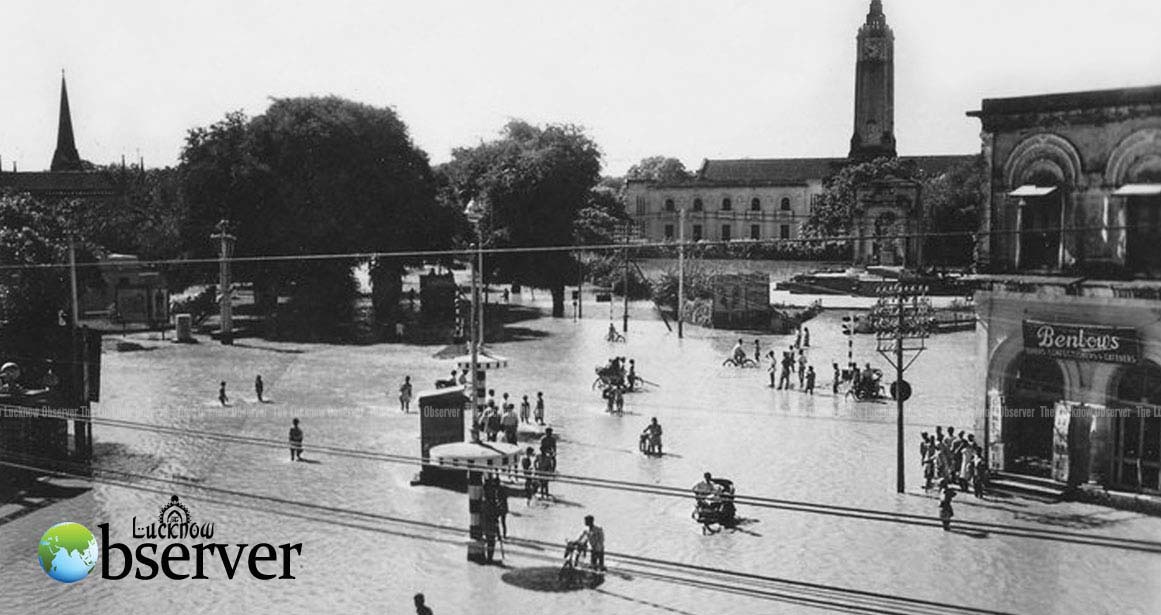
[(475, 460)]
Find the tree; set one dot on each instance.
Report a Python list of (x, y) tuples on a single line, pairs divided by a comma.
[(31, 234), (311, 176), (144, 219), (596, 223), (952, 201), (533, 182), (831, 216), (659, 169)]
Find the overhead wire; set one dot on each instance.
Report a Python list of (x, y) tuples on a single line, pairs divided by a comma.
[(648, 489), (708, 577), (469, 251)]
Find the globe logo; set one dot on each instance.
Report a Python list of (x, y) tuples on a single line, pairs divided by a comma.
[(67, 552)]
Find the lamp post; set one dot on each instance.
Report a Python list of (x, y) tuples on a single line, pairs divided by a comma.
[(475, 213)]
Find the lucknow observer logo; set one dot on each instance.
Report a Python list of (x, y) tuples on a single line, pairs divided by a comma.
[(173, 546), (67, 552)]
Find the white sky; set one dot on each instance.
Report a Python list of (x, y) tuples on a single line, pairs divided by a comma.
[(714, 78)]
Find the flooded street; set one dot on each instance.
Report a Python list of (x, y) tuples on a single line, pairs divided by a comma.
[(361, 553)]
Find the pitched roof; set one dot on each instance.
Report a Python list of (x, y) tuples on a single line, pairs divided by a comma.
[(751, 171), (795, 171), (58, 185)]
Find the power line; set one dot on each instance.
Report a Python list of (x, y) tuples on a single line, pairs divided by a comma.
[(800, 592), (612, 247), (648, 489)]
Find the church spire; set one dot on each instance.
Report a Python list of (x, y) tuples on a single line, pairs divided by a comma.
[(65, 158)]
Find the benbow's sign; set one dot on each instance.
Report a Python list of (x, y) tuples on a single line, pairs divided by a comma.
[(1082, 342)]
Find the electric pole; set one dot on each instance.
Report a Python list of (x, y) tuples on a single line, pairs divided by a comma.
[(625, 280), (680, 269), (225, 294), (73, 282), (902, 319)]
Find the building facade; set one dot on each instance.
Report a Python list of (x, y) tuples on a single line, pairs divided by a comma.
[(771, 198), (731, 200), (1069, 332)]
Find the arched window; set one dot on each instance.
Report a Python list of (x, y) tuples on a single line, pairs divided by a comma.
[(697, 205), (727, 204), (669, 205), (785, 203), (755, 204)]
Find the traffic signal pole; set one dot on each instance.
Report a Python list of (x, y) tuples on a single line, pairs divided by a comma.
[(680, 270), (899, 466)]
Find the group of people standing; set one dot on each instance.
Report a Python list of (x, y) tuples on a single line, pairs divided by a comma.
[(495, 420), (793, 361), (953, 459)]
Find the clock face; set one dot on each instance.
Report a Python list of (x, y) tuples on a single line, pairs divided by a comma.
[(874, 50)]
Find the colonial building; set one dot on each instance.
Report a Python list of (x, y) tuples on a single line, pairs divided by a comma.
[(1070, 245), (67, 177), (763, 199)]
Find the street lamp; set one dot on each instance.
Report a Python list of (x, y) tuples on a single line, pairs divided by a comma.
[(474, 212)]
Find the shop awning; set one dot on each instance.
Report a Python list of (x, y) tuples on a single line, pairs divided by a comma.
[(1138, 190), (1030, 190)]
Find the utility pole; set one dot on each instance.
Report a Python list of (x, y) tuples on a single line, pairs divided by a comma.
[(73, 281), (580, 289), (902, 315), (225, 294), (625, 281), (475, 214), (680, 270)]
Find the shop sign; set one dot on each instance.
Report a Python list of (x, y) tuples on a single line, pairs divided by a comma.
[(1082, 342)]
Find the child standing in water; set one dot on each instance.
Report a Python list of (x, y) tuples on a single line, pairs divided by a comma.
[(539, 408), (405, 394), (946, 493), (295, 441)]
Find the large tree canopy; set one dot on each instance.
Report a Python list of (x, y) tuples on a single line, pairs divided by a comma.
[(312, 176), (31, 234), (953, 201), (533, 182), (661, 169), (831, 215)]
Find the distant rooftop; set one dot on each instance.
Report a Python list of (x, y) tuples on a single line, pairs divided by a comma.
[(58, 184), (1092, 99), (797, 171)]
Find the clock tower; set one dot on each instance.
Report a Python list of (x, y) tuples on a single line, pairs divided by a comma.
[(874, 134)]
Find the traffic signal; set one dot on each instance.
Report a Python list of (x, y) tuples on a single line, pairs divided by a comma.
[(849, 324), (463, 312)]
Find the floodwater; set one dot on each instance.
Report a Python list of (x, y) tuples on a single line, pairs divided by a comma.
[(358, 557)]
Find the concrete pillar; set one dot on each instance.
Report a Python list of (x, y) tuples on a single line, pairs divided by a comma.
[(476, 550)]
